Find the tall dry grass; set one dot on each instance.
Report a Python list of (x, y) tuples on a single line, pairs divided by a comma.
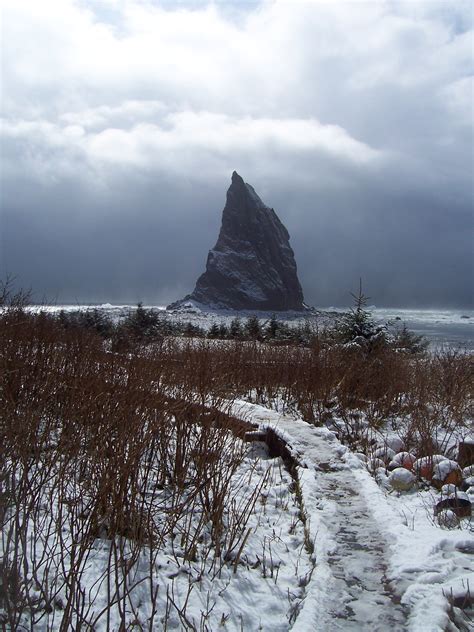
[(99, 446), (130, 445)]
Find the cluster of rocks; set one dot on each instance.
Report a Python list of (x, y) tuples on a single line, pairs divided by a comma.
[(402, 471)]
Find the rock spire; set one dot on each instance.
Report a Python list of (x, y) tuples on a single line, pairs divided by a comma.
[(252, 265)]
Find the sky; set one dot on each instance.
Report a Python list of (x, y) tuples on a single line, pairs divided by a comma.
[(122, 121)]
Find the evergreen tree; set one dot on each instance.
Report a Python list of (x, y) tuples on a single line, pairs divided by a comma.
[(142, 323), (272, 328), (235, 328), (213, 331), (406, 340), (252, 328), (357, 326)]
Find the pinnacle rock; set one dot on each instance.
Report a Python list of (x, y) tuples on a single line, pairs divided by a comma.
[(252, 265)]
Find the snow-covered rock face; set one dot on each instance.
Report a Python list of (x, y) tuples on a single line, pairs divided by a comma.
[(252, 265)]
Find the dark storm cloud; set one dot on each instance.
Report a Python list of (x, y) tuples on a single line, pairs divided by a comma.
[(124, 120)]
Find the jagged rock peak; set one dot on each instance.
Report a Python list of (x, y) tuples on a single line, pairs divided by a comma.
[(252, 265)]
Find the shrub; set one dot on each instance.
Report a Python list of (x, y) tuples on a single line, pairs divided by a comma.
[(358, 328)]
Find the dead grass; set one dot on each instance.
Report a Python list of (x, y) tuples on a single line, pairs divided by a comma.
[(99, 445), (133, 446)]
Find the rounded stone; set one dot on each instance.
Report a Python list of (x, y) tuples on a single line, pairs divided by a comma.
[(402, 479), (384, 453), (446, 472), (425, 465), (395, 443), (402, 459), (448, 519)]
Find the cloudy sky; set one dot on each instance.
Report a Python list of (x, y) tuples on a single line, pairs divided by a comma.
[(122, 121)]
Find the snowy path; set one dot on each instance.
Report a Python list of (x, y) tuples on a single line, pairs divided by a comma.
[(349, 589), (359, 592)]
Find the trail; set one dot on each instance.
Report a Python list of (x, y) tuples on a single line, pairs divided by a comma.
[(349, 589)]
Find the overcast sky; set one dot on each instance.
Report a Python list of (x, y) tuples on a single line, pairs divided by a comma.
[(122, 121)]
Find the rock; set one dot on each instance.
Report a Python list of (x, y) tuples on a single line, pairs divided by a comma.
[(448, 489), (395, 443), (468, 471), (424, 466), (384, 453), (402, 479), (467, 482), (402, 459), (446, 472), (374, 463), (448, 519), (466, 453), (459, 503), (252, 265)]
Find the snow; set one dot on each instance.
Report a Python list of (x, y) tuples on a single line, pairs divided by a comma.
[(260, 585), (382, 560), (402, 459), (385, 453), (396, 444), (448, 489), (457, 495), (444, 468), (364, 557)]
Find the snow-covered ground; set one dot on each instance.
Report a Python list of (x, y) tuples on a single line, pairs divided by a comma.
[(257, 582), (382, 562), (329, 549)]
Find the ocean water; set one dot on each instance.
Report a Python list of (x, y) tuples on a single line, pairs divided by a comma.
[(441, 327), (454, 328)]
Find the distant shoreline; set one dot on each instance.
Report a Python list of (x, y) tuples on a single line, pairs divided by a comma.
[(452, 327)]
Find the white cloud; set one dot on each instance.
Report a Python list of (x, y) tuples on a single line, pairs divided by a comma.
[(61, 54), (298, 76), (181, 140)]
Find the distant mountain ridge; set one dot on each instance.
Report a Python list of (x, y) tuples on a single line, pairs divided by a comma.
[(252, 265)]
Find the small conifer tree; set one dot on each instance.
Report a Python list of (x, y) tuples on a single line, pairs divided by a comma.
[(272, 327), (252, 328), (235, 328), (357, 326), (213, 331)]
